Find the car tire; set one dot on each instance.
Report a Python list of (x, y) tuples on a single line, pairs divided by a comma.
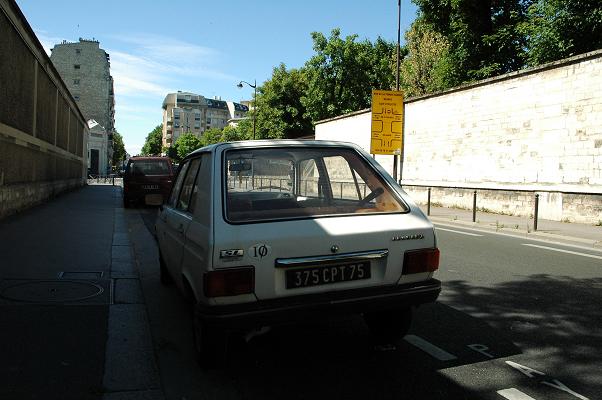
[(164, 275), (210, 344), (388, 327)]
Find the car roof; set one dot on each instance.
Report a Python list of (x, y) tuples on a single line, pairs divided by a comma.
[(271, 143), (136, 158)]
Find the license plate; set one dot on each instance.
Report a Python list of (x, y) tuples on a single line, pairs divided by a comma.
[(304, 277), (153, 199), (150, 187)]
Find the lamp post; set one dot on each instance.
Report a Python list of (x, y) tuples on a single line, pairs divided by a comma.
[(254, 86)]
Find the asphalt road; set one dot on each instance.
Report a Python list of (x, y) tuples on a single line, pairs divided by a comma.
[(517, 319)]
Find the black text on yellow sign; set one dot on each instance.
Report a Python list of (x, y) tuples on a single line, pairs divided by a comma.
[(387, 122)]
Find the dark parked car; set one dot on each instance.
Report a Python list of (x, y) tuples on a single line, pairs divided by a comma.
[(147, 180)]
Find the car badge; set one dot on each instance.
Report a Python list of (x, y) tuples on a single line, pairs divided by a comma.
[(334, 248), (232, 253), (417, 236)]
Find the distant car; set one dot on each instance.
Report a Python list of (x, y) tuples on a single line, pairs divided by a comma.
[(147, 180), (264, 232)]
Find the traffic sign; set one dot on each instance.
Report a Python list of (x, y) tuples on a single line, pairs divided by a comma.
[(387, 122)]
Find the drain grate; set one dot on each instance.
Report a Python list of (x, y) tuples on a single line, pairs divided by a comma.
[(86, 275), (51, 291)]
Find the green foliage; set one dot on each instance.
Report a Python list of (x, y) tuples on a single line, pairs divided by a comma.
[(186, 144), (118, 150), (485, 36), (280, 112), (171, 152), (562, 28), (153, 144), (233, 134), (211, 136), (343, 72), (427, 67)]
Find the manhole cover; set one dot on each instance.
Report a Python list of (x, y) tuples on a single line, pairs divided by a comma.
[(51, 291)]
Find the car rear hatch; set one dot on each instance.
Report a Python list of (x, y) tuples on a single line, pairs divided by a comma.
[(317, 255)]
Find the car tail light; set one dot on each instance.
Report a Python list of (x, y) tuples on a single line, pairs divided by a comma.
[(229, 282), (423, 260)]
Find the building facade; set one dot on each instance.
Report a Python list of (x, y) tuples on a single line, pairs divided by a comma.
[(185, 112), (85, 69)]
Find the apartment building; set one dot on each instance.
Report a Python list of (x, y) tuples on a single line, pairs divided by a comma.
[(185, 112), (86, 70)]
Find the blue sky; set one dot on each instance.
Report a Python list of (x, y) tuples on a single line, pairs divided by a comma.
[(205, 47)]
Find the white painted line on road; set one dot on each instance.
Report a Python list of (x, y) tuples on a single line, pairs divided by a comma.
[(514, 394), (460, 232), (523, 237), (429, 348), (563, 251)]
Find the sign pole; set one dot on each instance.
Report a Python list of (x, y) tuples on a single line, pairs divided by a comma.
[(395, 158)]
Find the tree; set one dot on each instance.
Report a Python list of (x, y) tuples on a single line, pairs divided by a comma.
[(186, 144), (118, 150), (343, 72), (154, 142), (211, 136), (561, 28), (427, 67), (233, 134), (485, 36), (280, 112)]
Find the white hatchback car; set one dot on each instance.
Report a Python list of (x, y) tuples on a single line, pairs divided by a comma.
[(262, 232)]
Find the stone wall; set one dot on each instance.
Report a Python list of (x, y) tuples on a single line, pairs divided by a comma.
[(43, 135), (536, 130)]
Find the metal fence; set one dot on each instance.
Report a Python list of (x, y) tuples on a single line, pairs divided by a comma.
[(340, 189), (113, 180)]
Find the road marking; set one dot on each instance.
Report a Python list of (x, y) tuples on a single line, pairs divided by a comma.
[(563, 251), (460, 232), (429, 348), (522, 237), (480, 348), (514, 394)]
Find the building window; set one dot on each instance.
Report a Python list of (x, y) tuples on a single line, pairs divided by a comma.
[(76, 66), (197, 117), (208, 121), (176, 124), (76, 81), (176, 115), (78, 51), (197, 125)]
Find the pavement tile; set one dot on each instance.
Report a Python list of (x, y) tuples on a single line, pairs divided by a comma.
[(128, 291)]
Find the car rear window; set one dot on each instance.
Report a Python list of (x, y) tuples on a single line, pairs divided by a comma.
[(303, 182), (149, 167)]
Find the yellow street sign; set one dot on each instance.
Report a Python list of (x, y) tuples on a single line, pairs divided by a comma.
[(387, 122)]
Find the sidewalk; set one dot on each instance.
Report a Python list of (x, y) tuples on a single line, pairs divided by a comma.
[(73, 321), (583, 234)]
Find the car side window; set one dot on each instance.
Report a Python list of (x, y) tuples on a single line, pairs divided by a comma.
[(186, 192), (175, 191), (200, 180)]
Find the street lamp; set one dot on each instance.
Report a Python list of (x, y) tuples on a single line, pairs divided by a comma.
[(254, 86)]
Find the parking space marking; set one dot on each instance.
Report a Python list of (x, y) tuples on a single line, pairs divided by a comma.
[(460, 232), (563, 251), (514, 394), (429, 348)]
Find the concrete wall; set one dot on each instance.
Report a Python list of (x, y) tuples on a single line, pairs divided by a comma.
[(534, 130), (42, 132)]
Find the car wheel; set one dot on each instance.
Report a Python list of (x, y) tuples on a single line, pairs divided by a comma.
[(165, 278), (388, 327), (210, 344)]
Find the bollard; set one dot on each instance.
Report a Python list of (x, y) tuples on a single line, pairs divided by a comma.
[(536, 212), (113, 181), (428, 201), (474, 206), (341, 190)]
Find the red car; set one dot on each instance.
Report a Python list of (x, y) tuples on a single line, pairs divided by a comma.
[(147, 180)]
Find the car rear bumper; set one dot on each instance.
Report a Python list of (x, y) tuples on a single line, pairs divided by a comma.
[(297, 308)]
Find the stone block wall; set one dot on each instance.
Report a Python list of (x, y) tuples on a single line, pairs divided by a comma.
[(43, 134), (536, 130)]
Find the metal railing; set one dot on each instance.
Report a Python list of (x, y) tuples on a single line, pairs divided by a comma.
[(474, 198), (340, 189), (113, 179)]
